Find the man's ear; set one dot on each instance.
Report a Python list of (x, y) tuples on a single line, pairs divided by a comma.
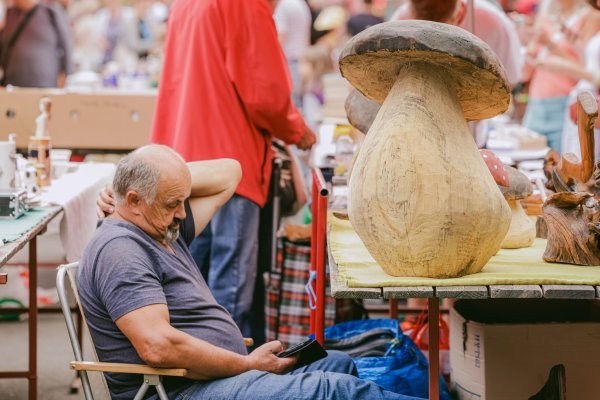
[(134, 202), (461, 13)]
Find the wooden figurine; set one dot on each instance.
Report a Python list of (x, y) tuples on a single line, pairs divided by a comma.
[(573, 222), (570, 174), (360, 110), (421, 198), (522, 229), (572, 216)]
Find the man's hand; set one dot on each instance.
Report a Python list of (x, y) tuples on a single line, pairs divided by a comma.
[(105, 202), (264, 358), (307, 140)]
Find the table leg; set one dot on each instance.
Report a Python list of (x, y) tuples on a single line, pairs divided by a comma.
[(32, 376), (434, 348), (393, 311)]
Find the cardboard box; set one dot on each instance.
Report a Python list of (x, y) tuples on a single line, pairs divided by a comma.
[(504, 348), (106, 120)]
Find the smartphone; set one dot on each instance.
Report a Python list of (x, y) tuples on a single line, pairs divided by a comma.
[(309, 352)]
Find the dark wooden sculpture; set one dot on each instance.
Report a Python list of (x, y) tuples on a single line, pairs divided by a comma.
[(572, 215), (573, 221)]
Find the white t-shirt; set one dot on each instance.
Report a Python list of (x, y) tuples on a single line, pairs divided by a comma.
[(293, 20), (496, 29)]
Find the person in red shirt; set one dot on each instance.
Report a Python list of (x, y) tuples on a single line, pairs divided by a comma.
[(224, 92)]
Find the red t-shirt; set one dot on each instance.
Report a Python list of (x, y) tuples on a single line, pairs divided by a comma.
[(225, 88)]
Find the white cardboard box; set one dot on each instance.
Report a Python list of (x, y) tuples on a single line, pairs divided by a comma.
[(504, 348)]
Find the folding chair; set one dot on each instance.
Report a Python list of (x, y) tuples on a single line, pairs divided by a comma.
[(152, 376)]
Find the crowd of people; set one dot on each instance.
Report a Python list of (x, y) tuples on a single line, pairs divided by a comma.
[(234, 76), (538, 41)]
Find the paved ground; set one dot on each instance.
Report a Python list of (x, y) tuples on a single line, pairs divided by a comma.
[(54, 355)]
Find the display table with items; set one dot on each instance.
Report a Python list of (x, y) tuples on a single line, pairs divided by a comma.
[(510, 274), (14, 235)]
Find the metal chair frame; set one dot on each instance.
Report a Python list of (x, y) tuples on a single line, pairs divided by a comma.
[(152, 376)]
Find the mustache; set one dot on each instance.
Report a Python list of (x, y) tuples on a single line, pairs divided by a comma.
[(176, 222)]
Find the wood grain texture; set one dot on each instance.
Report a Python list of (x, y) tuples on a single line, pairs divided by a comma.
[(461, 292), (421, 198), (569, 168), (408, 292), (126, 368), (516, 292), (569, 291), (573, 222), (541, 229)]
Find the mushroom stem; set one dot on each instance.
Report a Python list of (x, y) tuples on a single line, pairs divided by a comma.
[(522, 229), (421, 197)]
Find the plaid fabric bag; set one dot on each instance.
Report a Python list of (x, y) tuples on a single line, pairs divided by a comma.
[(287, 305)]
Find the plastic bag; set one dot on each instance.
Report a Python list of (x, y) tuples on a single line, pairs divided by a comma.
[(403, 369)]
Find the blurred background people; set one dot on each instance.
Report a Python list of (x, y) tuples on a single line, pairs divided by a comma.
[(558, 33), (362, 19), (35, 45), (492, 26), (293, 21)]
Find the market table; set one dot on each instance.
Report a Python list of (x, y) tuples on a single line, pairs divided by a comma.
[(73, 198), (8, 250), (516, 274)]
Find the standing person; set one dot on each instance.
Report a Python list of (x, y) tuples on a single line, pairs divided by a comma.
[(293, 22), (557, 33), (225, 92), (362, 19), (35, 45)]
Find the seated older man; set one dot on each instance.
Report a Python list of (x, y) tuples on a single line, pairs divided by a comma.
[(146, 302)]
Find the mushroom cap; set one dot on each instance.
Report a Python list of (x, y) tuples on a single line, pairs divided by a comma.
[(520, 186), (496, 168), (360, 110), (372, 60)]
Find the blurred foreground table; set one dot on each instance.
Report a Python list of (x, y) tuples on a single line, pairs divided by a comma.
[(31, 230)]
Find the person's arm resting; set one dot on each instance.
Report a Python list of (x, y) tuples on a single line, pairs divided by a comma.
[(160, 345), (213, 184)]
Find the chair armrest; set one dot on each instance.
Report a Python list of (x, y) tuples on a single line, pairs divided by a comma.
[(248, 341), (126, 368)]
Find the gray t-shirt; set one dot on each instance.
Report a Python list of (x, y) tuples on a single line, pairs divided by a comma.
[(43, 49), (124, 269)]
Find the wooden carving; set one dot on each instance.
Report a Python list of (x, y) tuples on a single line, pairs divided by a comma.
[(421, 198), (573, 222)]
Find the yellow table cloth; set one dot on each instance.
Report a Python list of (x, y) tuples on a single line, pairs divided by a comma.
[(508, 267)]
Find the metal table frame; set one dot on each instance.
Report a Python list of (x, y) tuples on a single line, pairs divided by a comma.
[(7, 251), (340, 289)]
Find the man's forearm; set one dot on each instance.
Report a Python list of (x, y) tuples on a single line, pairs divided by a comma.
[(203, 360), (212, 177)]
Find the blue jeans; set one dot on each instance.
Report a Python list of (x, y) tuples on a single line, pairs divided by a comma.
[(226, 252), (333, 377), (547, 116)]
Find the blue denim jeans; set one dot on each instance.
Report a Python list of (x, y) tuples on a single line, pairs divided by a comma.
[(226, 254), (333, 377), (547, 116)]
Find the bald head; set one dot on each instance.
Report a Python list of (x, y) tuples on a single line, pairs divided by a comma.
[(143, 170)]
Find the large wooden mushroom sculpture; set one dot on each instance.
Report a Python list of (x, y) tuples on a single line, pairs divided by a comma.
[(421, 198)]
